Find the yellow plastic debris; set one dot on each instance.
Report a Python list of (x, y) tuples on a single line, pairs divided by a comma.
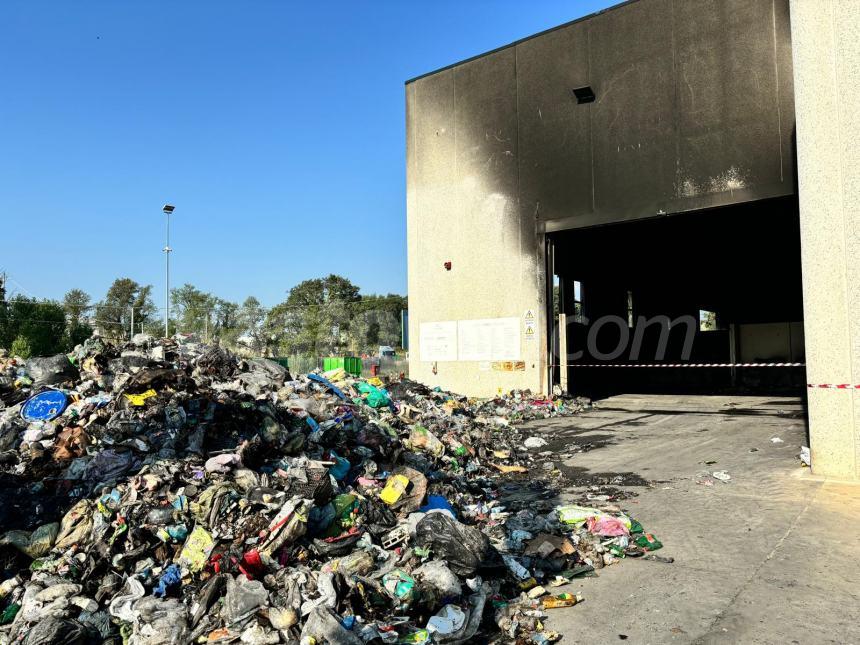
[(140, 399), (198, 546), (336, 375), (510, 469), (394, 489)]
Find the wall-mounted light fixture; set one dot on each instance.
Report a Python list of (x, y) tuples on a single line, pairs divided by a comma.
[(584, 94)]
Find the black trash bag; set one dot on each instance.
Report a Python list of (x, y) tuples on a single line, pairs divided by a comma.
[(335, 549), (319, 519), (49, 370), (10, 430), (464, 548), (109, 465), (159, 379), (127, 364), (378, 518), (56, 630), (99, 622)]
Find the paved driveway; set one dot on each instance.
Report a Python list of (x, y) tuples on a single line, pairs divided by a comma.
[(773, 556)]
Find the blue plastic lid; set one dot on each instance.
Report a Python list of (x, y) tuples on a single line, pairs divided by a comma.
[(44, 406), (331, 386)]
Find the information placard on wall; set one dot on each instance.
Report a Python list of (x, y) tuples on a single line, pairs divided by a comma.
[(489, 339), (438, 341)]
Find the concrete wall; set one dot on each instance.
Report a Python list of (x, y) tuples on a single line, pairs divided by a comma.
[(462, 206), (693, 109), (826, 37), (777, 342)]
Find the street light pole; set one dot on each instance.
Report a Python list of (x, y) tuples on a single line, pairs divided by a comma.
[(167, 209)]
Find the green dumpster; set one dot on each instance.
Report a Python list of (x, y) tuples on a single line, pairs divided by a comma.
[(283, 361), (350, 364)]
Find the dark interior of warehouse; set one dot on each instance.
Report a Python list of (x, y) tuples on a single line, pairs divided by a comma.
[(726, 280)]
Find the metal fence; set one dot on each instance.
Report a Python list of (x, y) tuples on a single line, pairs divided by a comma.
[(388, 366), (302, 364)]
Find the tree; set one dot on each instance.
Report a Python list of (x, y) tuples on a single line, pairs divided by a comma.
[(76, 303), (37, 324), (390, 329), (21, 348), (192, 309), (113, 314), (30, 327), (202, 313), (5, 332), (252, 325), (225, 321), (144, 308), (361, 329), (377, 322), (315, 317)]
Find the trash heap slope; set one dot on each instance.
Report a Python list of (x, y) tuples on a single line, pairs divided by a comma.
[(162, 492)]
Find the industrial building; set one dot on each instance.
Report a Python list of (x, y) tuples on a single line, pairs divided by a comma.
[(663, 184)]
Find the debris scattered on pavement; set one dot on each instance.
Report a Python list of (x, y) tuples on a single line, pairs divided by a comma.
[(169, 492), (535, 442), (707, 478), (704, 478)]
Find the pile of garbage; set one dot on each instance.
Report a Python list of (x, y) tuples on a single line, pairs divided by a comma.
[(162, 492)]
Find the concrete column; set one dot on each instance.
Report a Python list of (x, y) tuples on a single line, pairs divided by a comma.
[(826, 49)]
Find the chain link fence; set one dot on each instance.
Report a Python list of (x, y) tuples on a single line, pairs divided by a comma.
[(385, 366)]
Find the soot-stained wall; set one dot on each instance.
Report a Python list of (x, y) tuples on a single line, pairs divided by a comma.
[(693, 109)]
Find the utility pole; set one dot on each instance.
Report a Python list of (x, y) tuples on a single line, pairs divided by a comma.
[(167, 209), (131, 329)]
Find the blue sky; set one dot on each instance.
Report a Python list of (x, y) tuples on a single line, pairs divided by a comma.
[(275, 127)]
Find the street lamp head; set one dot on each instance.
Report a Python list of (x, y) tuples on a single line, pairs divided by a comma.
[(168, 209)]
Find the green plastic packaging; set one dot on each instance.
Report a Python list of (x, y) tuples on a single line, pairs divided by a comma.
[(400, 585), (576, 515), (9, 613), (649, 542), (375, 397), (419, 637)]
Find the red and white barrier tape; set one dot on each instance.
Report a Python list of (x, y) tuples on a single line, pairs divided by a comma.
[(827, 386), (689, 365), (834, 386)]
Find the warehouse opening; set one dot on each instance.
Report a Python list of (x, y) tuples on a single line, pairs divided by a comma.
[(700, 302)]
